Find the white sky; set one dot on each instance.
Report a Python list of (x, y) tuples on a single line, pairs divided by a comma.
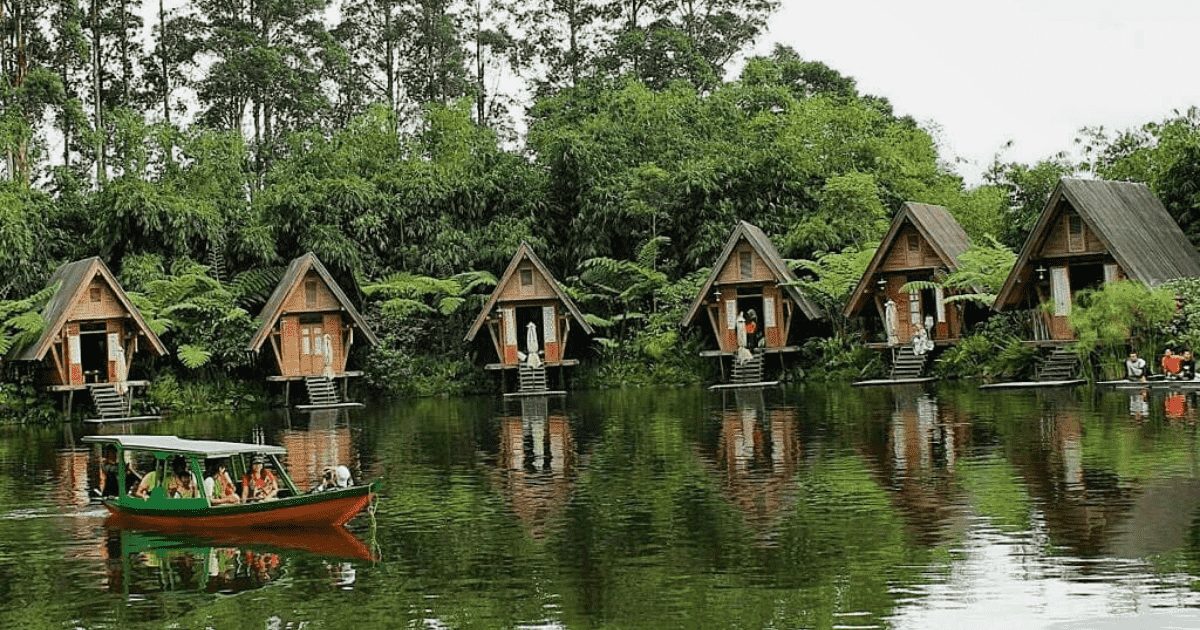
[(1031, 71)]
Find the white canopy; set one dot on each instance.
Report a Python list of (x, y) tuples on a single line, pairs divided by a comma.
[(170, 443)]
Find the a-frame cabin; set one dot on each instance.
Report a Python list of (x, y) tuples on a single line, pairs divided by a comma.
[(311, 325), (922, 244), (1089, 233), (91, 337), (750, 275), (528, 298)]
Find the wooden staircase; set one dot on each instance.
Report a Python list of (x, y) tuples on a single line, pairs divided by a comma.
[(321, 391), (531, 379), (748, 371), (1062, 364), (908, 365), (109, 404)]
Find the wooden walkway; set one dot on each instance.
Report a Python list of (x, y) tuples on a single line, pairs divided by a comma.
[(118, 420), (883, 382), (720, 386), (1033, 384)]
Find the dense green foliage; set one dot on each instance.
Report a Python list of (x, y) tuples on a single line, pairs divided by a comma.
[(200, 152), (1119, 316)]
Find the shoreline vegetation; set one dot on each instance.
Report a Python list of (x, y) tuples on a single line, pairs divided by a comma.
[(196, 173)]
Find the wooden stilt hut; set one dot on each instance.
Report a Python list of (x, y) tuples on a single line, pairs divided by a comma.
[(1090, 232), (923, 244), (91, 336), (751, 275), (529, 305), (311, 325)]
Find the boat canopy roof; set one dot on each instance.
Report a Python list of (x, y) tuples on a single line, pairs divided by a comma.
[(172, 444)]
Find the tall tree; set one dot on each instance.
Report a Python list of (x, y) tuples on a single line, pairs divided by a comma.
[(265, 66), (561, 40)]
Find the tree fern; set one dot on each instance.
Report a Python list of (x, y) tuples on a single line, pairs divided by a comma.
[(193, 356)]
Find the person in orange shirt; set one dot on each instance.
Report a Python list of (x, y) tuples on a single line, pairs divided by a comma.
[(1171, 364), (752, 337)]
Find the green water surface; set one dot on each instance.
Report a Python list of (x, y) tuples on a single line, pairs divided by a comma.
[(813, 506)]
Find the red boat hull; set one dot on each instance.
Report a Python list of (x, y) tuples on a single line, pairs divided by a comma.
[(327, 512)]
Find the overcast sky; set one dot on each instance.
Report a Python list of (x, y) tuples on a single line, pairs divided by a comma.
[(1031, 71)]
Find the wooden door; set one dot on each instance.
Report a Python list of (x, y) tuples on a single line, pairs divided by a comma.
[(1060, 295)]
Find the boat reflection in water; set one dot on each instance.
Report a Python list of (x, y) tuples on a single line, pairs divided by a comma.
[(228, 561)]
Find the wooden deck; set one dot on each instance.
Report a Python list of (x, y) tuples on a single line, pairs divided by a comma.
[(1033, 384), (937, 343), (779, 350), (505, 366), (883, 382), (1155, 384), (341, 405), (120, 420), (759, 384), (79, 388), (534, 394), (284, 379)]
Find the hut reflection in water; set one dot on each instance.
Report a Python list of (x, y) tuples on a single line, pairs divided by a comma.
[(536, 463)]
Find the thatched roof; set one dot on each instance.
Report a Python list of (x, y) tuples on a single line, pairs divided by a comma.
[(292, 278), (73, 279), (1131, 222), (766, 250), (935, 224), (525, 252)]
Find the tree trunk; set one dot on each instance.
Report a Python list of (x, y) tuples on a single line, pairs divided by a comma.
[(389, 55), (162, 54), (98, 116), (126, 65), (573, 26), (480, 93)]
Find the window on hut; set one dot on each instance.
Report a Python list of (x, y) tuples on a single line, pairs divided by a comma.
[(526, 277), (94, 294), (310, 293), (745, 265), (1075, 234), (914, 249)]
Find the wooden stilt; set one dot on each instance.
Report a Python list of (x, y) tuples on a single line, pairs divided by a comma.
[(782, 369), (721, 366), (345, 389), (287, 393)]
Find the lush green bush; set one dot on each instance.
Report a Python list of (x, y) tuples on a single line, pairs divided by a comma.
[(838, 358), (1120, 316), (397, 372), (21, 402), (1183, 331), (168, 394), (993, 351)]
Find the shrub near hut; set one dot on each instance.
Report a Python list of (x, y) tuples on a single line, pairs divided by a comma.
[(1120, 316)]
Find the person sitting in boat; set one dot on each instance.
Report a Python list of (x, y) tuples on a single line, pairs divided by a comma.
[(218, 485), (109, 469), (259, 484), (334, 479), (1187, 366), (1135, 368), (181, 483), (148, 483)]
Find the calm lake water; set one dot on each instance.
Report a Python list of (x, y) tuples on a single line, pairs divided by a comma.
[(824, 507)]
